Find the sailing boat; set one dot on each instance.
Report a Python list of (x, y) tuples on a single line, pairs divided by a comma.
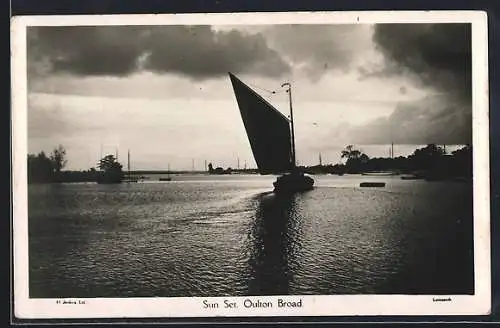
[(272, 138), (129, 175), (168, 178)]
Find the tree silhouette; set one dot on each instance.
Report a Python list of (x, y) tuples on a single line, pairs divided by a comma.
[(427, 157), (108, 162), (356, 160), (40, 168), (462, 163), (350, 153), (112, 170), (58, 158)]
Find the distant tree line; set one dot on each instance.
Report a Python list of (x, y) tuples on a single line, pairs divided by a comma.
[(44, 168), (430, 162)]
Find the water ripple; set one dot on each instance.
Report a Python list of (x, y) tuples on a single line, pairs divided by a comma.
[(233, 238)]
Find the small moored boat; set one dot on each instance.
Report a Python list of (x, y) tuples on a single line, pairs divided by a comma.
[(372, 184)]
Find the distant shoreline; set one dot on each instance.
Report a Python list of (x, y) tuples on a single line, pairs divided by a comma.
[(430, 163), (150, 172), (141, 176)]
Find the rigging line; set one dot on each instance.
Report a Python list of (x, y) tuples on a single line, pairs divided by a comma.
[(269, 93), (266, 90)]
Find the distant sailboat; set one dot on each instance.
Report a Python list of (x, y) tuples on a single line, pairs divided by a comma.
[(129, 175), (168, 178), (271, 136)]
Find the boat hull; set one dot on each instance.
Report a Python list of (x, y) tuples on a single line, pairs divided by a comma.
[(293, 182)]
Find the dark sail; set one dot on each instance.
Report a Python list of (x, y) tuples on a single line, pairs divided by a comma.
[(267, 129)]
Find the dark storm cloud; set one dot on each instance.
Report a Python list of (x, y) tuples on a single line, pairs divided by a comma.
[(435, 119), (200, 51), (86, 50), (320, 48), (197, 51), (436, 56)]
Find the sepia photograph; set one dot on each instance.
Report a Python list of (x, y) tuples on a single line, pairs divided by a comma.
[(251, 164)]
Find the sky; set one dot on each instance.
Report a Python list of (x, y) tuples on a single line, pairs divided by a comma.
[(163, 92)]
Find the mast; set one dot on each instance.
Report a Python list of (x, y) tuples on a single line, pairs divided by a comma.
[(392, 140), (289, 90), (128, 163), (268, 130)]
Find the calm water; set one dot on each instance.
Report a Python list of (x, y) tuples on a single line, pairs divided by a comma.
[(228, 235)]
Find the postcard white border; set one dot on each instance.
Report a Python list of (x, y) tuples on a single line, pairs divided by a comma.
[(324, 305)]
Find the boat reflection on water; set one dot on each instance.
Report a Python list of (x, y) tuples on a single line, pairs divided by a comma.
[(274, 242)]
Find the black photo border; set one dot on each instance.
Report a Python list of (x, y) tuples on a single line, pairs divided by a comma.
[(98, 7)]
